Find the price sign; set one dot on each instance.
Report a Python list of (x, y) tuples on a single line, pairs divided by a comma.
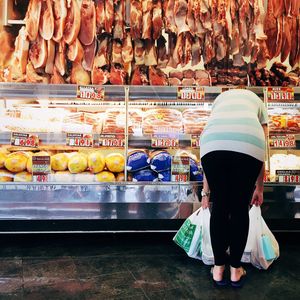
[(190, 93), (112, 140), (180, 169), (288, 176), (79, 140), (195, 141), (164, 141), (90, 92), (24, 140), (283, 141), (41, 168), (280, 94)]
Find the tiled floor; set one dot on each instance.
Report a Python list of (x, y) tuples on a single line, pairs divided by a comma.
[(129, 267)]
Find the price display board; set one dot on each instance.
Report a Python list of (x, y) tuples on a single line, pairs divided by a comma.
[(288, 176), (164, 141), (282, 141), (41, 168), (180, 169), (195, 141), (112, 140), (190, 93), (24, 140), (89, 92), (280, 94), (79, 140)]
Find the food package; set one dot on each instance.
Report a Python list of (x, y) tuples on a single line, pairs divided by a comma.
[(29, 161), (115, 162), (194, 120), (144, 175), (105, 176), (16, 162), (160, 161), (44, 114), (3, 157), (137, 160), (135, 119), (77, 163), (283, 162), (162, 120), (96, 162), (114, 121), (23, 176), (59, 162), (6, 176), (164, 176)]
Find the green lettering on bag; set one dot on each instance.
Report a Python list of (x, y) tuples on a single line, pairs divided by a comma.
[(185, 234)]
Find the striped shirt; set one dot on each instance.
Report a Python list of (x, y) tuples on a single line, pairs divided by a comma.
[(235, 124)]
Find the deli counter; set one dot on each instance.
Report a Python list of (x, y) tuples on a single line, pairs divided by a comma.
[(126, 162)]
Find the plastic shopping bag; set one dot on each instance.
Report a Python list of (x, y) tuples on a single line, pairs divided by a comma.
[(261, 248), (189, 235), (207, 252)]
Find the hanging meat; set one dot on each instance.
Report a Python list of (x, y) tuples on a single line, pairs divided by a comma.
[(21, 50), (38, 53), (117, 75), (33, 77), (109, 15), (180, 12), (157, 22), (157, 76), (278, 7), (191, 17), (286, 39), (169, 18), (136, 19), (88, 22), (118, 31), (127, 49), (139, 76), (60, 61), (139, 52), (150, 54), (56, 78), (79, 75), (50, 57), (72, 26), (294, 40), (162, 55), (271, 30), (117, 52), (75, 51), (60, 15), (32, 18), (100, 15), (147, 7), (89, 53), (46, 25)]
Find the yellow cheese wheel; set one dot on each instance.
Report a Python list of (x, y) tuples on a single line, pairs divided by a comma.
[(115, 162), (16, 162), (77, 163), (105, 176), (3, 157), (5, 176), (59, 162), (96, 162), (23, 177)]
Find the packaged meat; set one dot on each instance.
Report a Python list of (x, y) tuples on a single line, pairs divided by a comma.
[(105, 176), (164, 176), (160, 161), (114, 121), (59, 162), (144, 175), (77, 163), (115, 162), (96, 162), (137, 160), (16, 161), (194, 120)]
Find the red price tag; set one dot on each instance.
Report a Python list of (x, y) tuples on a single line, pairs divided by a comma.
[(164, 142), (79, 140), (280, 94), (24, 139), (111, 140), (190, 93), (283, 141), (89, 92), (195, 141), (288, 176)]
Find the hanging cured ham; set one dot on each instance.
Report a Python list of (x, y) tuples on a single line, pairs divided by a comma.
[(60, 61), (38, 53), (139, 76), (180, 12), (88, 22), (75, 52), (100, 15), (147, 7), (136, 19), (60, 15), (22, 50), (46, 25), (109, 16), (32, 18), (89, 53), (50, 57), (118, 31), (157, 22), (72, 26)]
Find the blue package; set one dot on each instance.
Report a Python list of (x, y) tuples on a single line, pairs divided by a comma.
[(137, 160), (144, 175), (164, 175), (197, 177), (160, 161)]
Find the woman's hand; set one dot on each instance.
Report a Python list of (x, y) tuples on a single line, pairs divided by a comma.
[(205, 202), (258, 197)]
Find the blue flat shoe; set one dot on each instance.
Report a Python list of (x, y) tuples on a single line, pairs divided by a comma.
[(218, 283), (240, 282)]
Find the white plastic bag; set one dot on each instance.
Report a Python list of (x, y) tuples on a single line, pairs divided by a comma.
[(207, 252), (189, 235), (261, 248)]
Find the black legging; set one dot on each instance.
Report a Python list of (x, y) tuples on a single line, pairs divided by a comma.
[(231, 177)]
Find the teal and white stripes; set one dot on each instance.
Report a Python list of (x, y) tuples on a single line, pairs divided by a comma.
[(235, 125)]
